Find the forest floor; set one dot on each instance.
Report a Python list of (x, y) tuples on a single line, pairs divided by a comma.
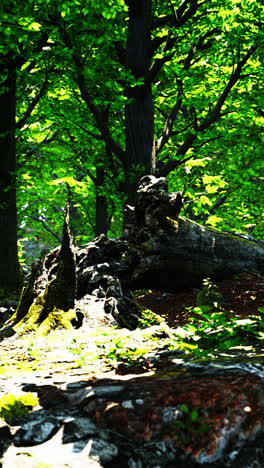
[(142, 361), (107, 349), (243, 296)]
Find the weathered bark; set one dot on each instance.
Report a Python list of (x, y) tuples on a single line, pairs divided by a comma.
[(101, 218), (161, 251), (139, 111), (168, 252), (9, 270), (49, 295), (192, 253), (173, 253)]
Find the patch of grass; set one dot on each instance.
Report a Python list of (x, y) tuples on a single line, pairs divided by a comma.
[(208, 334)]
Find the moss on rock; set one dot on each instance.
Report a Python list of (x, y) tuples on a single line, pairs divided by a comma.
[(43, 316), (50, 310), (13, 408), (28, 292), (57, 319), (31, 320)]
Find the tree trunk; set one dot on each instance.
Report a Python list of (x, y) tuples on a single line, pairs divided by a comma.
[(9, 270), (101, 217), (139, 111), (47, 300)]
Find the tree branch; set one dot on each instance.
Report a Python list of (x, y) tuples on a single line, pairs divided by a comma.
[(94, 135), (50, 139), (170, 42), (102, 127), (206, 141), (170, 120), (178, 17), (98, 116), (156, 42), (163, 169), (44, 224), (168, 128), (214, 115), (156, 66), (33, 104)]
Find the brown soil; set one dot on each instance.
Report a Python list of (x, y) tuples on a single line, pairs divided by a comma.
[(242, 296)]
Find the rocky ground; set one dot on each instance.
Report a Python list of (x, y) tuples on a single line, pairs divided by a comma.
[(109, 397)]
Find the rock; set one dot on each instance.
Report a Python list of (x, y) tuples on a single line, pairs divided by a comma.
[(51, 397), (78, 429), (5, 437), (36, 432), (188, 414), (229, 413), (53, 453), (103, 451), (91, 312)]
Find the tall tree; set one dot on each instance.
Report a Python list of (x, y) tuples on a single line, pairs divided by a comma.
[(139, 109), (9, 271), (158, 62), (176, 74), (16, 46)]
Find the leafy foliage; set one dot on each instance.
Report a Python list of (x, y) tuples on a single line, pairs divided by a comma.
[(210, 332), (189, 423), (72, 80), (73, 54), (118, 351)]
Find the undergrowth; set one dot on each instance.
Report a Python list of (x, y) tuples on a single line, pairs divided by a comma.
[(211, 332)]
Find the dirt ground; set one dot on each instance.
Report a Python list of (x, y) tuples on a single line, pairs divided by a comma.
[(242, 296)]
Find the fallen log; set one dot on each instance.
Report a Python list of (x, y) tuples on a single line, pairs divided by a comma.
[(159, 250), (173, 253)]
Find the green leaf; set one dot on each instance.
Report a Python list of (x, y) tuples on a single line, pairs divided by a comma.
[(34, 26), (185, 409), (194, 414)]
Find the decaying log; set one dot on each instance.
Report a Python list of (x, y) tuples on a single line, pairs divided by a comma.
[(169, 252), (159, 250)]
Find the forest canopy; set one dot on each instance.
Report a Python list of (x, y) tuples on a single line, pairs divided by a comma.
[(96, 94)]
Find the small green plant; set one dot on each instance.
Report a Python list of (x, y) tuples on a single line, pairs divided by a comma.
[(31, 351), (190, 423), (141, 292), (78, 349), (209, 295), (149, 318), (118, 351), (13, 408), (75, 347), (211, 332)]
